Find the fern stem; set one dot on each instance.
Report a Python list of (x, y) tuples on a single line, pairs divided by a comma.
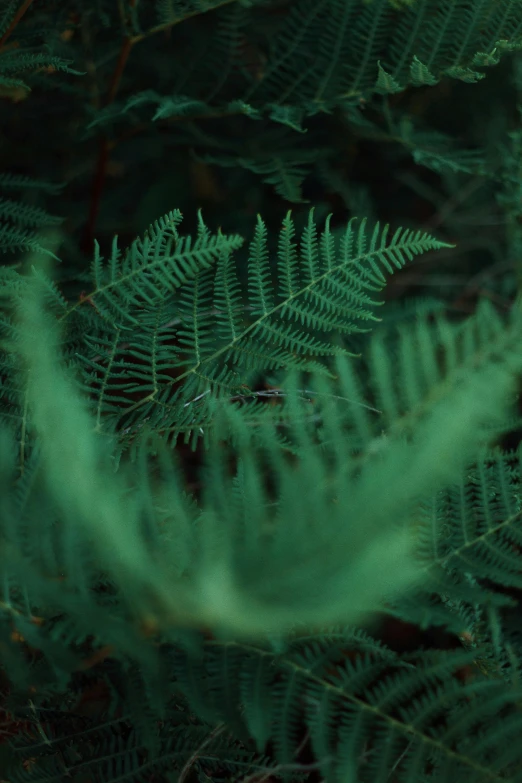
[(103, 154)]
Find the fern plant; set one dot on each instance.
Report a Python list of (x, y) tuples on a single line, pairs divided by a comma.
[(222, 614), (19, 222), (259, 566), (169, 312)]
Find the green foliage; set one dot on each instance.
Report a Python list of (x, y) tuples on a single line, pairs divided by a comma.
[(257, 566), (233, 450), (176, 306), (20, 221)]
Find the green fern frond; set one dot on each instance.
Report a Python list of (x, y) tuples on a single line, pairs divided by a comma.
[(253, 571), (170, 315), (152, 268), (6, 14), (9, 181), (20, 221), (365, 714), (335, 535), (195, 335), (330, 53)]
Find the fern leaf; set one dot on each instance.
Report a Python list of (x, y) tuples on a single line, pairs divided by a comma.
[(323, 286)]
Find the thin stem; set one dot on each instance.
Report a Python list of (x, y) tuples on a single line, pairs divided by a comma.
[(105, 145)]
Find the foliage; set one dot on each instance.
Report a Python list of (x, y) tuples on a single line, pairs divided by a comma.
[(237, 458)]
